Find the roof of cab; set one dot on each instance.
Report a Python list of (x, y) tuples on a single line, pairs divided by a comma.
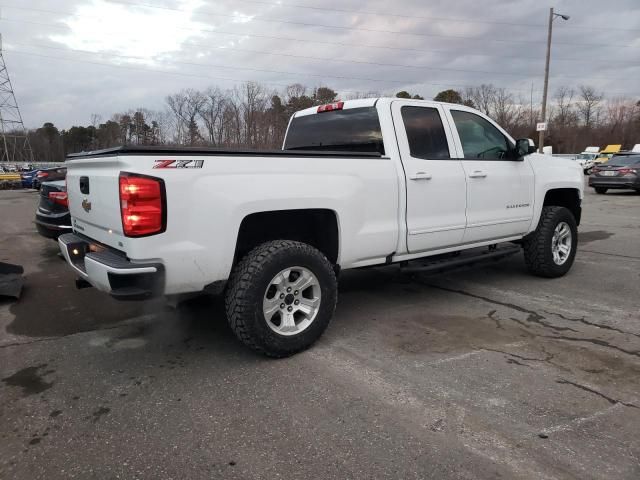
[(371, 102)]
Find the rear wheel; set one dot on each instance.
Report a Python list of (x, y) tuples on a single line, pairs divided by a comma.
[(551, 249), (281, 297), (601, 190)]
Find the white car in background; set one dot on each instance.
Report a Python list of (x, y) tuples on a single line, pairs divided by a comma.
[(587, 159)]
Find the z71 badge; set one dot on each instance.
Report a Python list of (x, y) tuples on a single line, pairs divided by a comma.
[(178, 164)]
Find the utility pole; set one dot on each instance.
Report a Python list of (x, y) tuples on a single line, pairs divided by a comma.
[(14, 142), (552, 17)]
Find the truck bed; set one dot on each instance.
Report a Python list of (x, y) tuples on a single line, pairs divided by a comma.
[(208, 151)]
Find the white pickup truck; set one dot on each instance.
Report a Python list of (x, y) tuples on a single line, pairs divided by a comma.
[(358, 183)]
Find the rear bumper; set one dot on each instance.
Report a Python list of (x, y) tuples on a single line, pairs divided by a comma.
[(109, 270), (612, 182), (53, 228)]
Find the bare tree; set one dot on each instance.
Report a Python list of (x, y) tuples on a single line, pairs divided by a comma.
[(483, 97), (564, 110), (589, 105), (185, 107), (503, 108), (211, 113)]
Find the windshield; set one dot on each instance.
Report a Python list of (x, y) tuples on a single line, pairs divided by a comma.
[(586, 156), (354, 130), (624, 160)]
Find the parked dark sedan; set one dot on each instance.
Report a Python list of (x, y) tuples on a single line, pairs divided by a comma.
[(622, 171), (52, 216), (49, 175)]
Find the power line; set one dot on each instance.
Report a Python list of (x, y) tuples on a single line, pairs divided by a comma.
[(423, 17), (339, 44), (334, 59), (410, 81), (370, 30), (304, 57), (287, 55), (19, 52), (395, 32)]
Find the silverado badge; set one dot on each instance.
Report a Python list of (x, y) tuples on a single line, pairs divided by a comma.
[(86, 204)]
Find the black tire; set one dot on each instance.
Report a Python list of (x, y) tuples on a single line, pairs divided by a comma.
[(247, 286), (601, 190), (538, 253)]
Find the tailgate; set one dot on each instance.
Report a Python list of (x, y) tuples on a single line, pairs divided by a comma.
[(94, 201)]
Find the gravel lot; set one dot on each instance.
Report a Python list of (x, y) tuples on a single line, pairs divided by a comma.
[(482, 373)]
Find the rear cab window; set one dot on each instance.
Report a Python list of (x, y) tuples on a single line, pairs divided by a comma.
[(425, 133), (352, 130)]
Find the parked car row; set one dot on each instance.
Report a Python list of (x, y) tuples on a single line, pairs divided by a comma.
[(621, 171), (34, 178)]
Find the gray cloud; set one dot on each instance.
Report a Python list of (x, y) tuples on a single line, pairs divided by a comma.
[(599, 46)]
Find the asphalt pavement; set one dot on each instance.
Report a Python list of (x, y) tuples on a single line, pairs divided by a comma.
[(481, 373)]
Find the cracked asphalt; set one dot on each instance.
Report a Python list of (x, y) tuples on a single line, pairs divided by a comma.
[(480, 373)]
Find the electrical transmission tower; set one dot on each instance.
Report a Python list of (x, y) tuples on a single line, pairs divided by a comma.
[(14, 142)]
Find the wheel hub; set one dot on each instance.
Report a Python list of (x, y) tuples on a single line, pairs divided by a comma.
[(291, 301), (561, 243)]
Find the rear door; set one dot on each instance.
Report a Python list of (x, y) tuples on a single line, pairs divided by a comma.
[(499, 188), (435, 180)]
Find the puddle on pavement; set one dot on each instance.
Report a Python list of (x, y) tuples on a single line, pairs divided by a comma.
[(593, 236), (30, 380), (52, 306)]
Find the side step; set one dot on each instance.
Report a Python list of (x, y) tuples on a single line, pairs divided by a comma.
[(463, 259)]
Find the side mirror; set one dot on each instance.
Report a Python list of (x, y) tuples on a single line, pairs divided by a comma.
[(524, 146)]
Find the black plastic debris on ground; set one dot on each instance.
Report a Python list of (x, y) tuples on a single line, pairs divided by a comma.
[(11, 280)]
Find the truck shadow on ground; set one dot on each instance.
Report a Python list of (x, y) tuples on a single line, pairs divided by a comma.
[(50, 304)]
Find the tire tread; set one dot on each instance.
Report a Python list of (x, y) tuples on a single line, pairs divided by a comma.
[(237, 304), (535, 248)]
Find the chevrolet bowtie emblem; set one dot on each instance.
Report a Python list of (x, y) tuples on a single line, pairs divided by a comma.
[(86, 204)]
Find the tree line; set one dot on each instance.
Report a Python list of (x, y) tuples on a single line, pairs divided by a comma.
[(253, 116)]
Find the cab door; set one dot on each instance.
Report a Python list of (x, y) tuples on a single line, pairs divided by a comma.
[(499, 186), (435, 180)]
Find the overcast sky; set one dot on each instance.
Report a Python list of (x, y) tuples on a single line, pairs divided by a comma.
[(70, 58)]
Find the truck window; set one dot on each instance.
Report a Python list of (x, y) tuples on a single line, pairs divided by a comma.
[(480, 139), (425, 133), (353, 130)]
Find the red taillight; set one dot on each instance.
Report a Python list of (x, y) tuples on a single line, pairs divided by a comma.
[(627, 171), (595, 170), (142, 205), (42, 174), (330, 106), (60, 198)]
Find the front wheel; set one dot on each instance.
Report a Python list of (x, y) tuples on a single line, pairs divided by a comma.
[(601, 190), (281, 297), (551, 249)]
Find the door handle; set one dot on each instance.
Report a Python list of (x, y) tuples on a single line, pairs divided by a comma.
[(420, 176), (478, 174)]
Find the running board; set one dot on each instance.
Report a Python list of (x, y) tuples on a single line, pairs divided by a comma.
[(464, 259)]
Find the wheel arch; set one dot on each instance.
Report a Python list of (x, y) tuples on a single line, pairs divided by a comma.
[(317, 227), (565, 197)]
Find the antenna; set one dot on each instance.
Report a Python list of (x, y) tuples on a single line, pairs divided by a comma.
[(14, 142)]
